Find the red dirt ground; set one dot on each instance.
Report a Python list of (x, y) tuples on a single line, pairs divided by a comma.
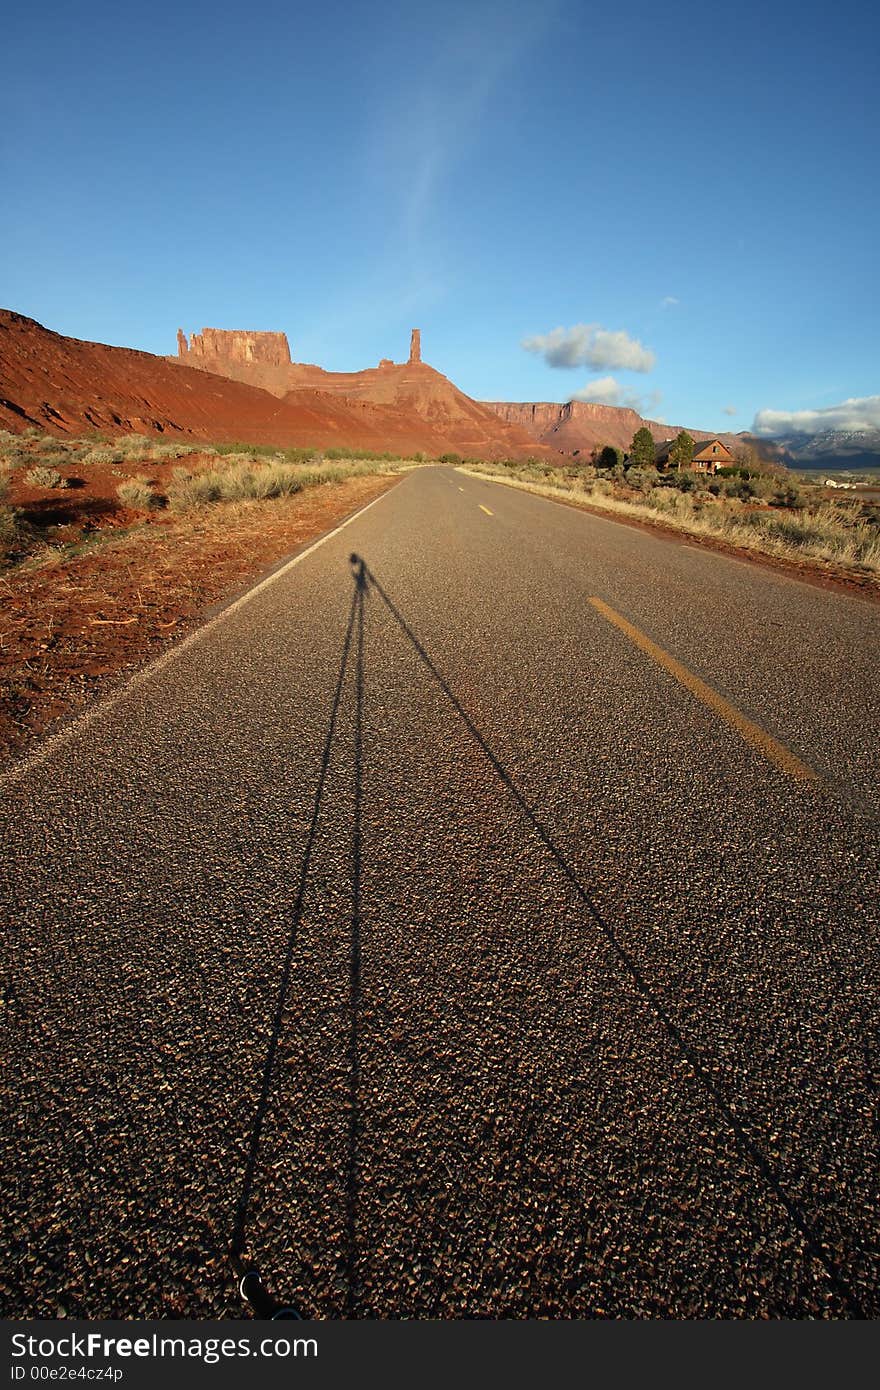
[(68, 628)]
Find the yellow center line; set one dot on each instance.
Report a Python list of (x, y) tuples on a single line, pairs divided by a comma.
[(753, 734), (485, 509)]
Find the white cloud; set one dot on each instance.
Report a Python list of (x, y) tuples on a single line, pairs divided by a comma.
[(669, 301), (604, 391), (591, 345), (856, 413), (729, 410), (607, 390)]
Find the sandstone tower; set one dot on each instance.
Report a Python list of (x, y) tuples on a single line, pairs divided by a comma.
[(182, 345), (415, 346)]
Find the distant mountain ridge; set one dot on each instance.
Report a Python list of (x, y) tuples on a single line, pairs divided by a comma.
[(832, 449), (577, 427)]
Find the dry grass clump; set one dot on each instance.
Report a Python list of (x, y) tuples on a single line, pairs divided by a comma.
[(13, 450), (134, 446), (129, 448), (16, 450), (137, 448), (9, 531), (241, 478), (137, 493), (826, 534), (101, 456), (178, 450), (45, 476)]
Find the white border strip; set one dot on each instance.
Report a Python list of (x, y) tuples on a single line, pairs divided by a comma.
[(158, 664)]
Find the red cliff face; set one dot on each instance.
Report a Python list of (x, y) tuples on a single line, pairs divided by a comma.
[(580, 426), (235, 345), (66, 386), (416, 392)]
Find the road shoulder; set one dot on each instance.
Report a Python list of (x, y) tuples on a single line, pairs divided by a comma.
[(69, 634)]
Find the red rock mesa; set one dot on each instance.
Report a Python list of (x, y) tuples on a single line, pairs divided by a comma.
[(235, 345), (67, 387)]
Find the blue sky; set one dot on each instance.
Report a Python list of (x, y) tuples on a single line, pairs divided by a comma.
[(689, 193)]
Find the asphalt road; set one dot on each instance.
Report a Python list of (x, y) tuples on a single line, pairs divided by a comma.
[(420, 935)]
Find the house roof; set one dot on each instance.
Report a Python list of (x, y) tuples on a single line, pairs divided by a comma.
[(662, 450), (701, 444)]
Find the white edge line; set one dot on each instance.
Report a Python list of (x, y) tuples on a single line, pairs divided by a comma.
[(153, 668)]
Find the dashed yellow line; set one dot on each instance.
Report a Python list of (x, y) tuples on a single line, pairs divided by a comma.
[(485, 509), (753, 734)]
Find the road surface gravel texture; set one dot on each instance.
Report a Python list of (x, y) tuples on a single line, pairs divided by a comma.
[(415, 934)]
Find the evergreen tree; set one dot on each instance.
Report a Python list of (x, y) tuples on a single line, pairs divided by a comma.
[(681, 455), (641, 451)]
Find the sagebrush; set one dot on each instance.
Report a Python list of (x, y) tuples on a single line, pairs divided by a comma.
[(44, 476)]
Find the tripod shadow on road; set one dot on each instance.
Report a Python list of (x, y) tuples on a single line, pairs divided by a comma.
[(366, 583), (354, 639)]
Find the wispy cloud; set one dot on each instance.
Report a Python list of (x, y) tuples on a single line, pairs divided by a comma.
[(412, 144), (856, 413), (414, 147), (669, 301), (607, 390), (591, 345), (729, 410)]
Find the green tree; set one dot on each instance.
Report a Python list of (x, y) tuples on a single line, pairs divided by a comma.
[(609, 457), (641, 451), (681, 455)]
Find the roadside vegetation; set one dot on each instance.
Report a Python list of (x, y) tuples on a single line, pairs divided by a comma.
[(109, 548), (750, 505), (243, 478), (110, 486)]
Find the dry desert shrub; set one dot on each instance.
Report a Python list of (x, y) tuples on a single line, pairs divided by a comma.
[(241, 478), (101, 456), (131, 447), (192, 489), (824, 534), (13, 453), (137, 493), (45, 476), (178, 450), (9, 531)]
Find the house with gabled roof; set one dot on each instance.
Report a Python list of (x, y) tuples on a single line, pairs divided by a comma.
[(709, 455)]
